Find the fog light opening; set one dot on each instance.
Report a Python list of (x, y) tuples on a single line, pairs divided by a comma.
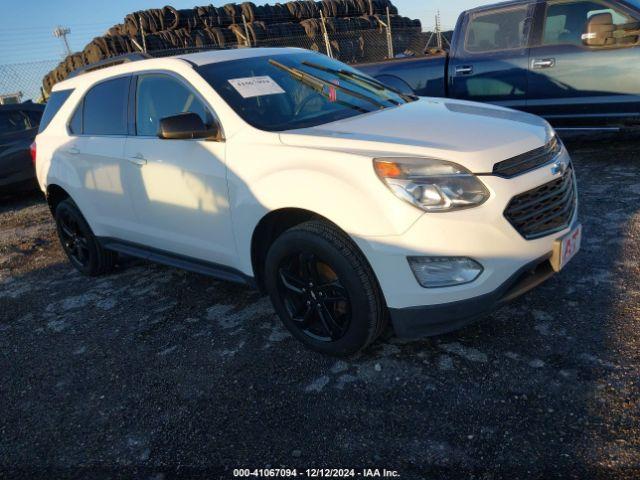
[(435, 272)]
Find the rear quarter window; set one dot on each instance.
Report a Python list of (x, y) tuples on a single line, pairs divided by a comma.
[(55, 102)]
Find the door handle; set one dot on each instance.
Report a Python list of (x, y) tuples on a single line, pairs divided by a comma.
[(73, 151), (543, 63), (138, 159), (464, 70)]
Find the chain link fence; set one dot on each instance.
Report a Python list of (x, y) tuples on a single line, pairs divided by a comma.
[(353, 31), (353, 47), (24, 80)]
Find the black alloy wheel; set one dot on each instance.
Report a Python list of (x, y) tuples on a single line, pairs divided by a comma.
[(314, 297), (324, 290), (82, 247), (74, 240)]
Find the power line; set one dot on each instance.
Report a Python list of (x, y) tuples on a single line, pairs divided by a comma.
[(46, 27), (46, 32)]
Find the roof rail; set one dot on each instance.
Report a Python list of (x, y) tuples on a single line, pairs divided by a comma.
[(110, 62)]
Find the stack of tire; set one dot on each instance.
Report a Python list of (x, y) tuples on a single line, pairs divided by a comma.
[(354, 28)]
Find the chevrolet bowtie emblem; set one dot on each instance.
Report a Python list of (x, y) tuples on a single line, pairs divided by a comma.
[(559, 167)]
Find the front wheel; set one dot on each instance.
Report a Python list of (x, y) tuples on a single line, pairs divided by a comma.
[(324, 290)]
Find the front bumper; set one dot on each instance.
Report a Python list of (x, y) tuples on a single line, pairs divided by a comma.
[(424, 321), (512, 264)]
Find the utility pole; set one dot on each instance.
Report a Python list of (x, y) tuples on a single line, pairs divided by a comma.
[(62, 32), (438, 31)]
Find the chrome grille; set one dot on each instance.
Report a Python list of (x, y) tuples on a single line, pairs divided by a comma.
[(528, 161), (545, 209)]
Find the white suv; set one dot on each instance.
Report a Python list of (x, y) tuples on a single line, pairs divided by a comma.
[(349, 202)]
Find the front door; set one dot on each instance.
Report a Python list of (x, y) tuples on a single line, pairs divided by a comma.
[(178, 187), (490, 62), (584, 65)]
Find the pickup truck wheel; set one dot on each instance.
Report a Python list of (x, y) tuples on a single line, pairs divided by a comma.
[(324, 290), (79, 243)]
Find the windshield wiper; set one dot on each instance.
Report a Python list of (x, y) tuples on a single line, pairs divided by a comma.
[(363, 78), (318, 84)]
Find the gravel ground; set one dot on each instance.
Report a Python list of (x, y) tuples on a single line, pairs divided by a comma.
[(156, 373)]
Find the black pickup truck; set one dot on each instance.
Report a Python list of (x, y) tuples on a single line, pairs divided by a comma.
[(574, 62)]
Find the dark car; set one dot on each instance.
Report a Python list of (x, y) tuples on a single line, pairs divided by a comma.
[(574, 62), (18, 128)]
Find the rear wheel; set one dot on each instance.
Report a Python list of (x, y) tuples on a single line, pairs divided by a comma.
[(79, 243), (324, 290)]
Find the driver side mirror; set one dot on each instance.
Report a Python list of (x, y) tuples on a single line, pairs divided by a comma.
[(187, 126), (600, 30)]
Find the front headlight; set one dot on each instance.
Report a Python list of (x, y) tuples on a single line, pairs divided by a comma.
[(432, 185)]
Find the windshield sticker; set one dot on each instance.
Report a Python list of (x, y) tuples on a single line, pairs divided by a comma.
[(250, 87)]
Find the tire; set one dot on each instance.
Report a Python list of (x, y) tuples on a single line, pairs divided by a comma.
[(80, 244), (345, 288)]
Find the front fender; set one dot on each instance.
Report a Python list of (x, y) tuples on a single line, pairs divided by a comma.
[(339, 186)]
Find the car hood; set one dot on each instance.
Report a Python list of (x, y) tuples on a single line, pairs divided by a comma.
[(472, 134)]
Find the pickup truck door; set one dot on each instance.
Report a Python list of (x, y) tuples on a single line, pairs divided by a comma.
[(491, 56), (178, 187), (584, 64)]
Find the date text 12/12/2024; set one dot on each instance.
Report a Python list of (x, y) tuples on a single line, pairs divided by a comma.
[(316, 473)]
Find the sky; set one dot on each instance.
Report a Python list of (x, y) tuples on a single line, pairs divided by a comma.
[(26, 26)]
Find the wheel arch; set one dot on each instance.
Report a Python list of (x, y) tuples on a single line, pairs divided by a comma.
[(275, 223), (268, 229), (55, 195)]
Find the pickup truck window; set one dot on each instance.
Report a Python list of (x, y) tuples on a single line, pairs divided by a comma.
[(497, 30), (290, 91), (588, 23)]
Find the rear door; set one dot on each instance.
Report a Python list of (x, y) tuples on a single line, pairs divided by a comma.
[(491, 59), (98, 129), (584, 66), (179, 187)]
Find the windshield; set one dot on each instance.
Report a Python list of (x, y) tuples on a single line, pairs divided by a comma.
[(297, 90)]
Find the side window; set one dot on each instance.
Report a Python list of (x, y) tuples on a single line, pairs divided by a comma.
[(588, 23), (75, 125), (13, 121), (159, 96), (105, 108), (55, 102), (501, 30), (34, 117)]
